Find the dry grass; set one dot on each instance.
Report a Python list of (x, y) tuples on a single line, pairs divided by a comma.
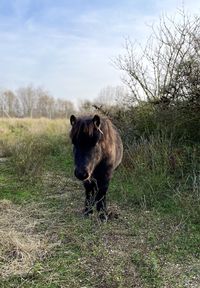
[(20, 246), (35, 126), (13, 130)]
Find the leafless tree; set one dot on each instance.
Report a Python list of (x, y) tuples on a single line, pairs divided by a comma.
[(167, 70), (27, 98), (33, 102), (110, 96)]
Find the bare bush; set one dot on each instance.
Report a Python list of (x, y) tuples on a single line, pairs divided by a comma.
[(167, 69)]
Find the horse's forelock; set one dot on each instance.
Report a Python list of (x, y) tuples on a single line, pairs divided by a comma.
[(82, 126)]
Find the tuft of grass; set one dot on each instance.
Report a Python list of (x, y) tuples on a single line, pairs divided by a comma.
[(29, 154), (20, 247), (29, 142)]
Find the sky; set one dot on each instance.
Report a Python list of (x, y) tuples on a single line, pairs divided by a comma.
[(67, 47)]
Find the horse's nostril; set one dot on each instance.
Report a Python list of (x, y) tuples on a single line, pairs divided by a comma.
[(81, 175)]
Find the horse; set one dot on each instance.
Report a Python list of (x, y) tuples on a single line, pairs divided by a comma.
[(97, 151)]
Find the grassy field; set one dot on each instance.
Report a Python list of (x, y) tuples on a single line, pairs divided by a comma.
[(152, 238)]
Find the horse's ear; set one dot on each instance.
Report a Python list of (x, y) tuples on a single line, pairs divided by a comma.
[(72, 120), (96, 121)]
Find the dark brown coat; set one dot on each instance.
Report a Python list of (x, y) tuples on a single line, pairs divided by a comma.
[(97, 149)]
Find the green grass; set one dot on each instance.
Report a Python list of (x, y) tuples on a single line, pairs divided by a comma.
[(153, 243), (156, 174)]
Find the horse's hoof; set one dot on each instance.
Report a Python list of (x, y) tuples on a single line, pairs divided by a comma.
[(103, 217)]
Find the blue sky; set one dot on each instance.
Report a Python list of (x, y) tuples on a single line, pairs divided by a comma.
[(67, 46)]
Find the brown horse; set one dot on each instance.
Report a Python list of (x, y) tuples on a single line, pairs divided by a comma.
[(98, 150)]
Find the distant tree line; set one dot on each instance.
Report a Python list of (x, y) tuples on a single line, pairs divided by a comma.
[(108, 100), (33, 102)]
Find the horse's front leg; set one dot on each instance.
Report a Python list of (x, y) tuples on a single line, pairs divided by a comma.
[(89, 196), (100, 199)]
